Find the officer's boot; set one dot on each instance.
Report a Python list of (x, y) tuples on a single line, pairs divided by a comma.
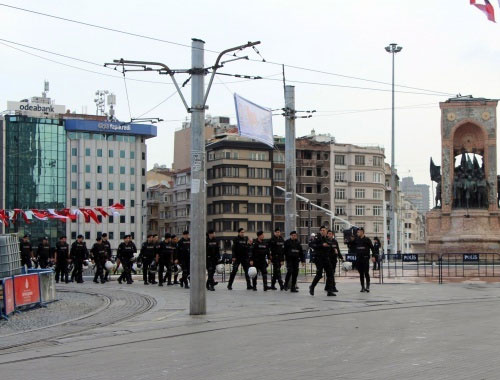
[(264, 280), (254, 283)]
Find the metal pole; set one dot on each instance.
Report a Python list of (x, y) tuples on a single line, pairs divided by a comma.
[(394, 248), (384, 213), (310, 220), (290, 179), (198, 225)]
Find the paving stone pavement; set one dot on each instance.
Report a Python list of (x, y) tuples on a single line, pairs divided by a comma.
[(398, 331)]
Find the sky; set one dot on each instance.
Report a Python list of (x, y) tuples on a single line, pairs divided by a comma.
[(449, 47)]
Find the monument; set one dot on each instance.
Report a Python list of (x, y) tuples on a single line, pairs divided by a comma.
[(466, 217)]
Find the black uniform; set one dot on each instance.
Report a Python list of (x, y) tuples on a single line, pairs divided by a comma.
[(334, 254), (125, 253), (362, 247), (164, 255), (26, 250), (293, 255), (147, 255), (240, 256), (376, 255), (184, 253), (322, 250), (213, 258), (277, 245), (62, 257), (78, 254), (99, 255), (109, 255), (172, 254), (260, 255), (43, 255)]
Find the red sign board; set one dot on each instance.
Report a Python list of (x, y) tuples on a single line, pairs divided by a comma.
[(8, 295), (26, 289)]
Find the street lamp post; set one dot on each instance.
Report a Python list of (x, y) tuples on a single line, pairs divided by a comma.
[(393, 49)]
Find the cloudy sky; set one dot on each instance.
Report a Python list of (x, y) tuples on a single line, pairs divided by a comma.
[(448, 47)]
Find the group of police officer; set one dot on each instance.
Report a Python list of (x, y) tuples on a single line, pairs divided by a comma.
[(171, 256)]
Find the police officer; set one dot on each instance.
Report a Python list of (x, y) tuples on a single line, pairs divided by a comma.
[(125, 253), (376, 253), (78, 254), (363, 245), (61, 259), (99, 255), (44, 253), (109, 254), (293, 254), (184, 253), (163, 258), (26, 251), (175, 259), (213, 258), (322, 251), (259, 259), (334, 255), (277, 245), (241, 245), (147, 255)]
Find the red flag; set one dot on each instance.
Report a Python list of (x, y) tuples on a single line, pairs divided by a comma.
[(118, 206), (487, 9), (93, 215), (40, 214), (102, 211), (4, 218), (85, 215), (66, 212), (17, 212)]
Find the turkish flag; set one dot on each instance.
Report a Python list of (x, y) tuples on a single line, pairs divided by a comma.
[(487, 9)]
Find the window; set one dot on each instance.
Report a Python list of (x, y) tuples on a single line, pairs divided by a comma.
[(110, 153), (87, 152), (87, 201), (377, 177), (73, 235), (340, 210), (359, 193), (122, 218), (110, 186), (122, 186), (87, 185), (278, 157), (377, 210), (73, 201), (99, 169), (251, 226), (132, 155), (339, 159), (87, 168), (111, 202), (309, 172), (359, 160), (378, 161), (258, 156), (87, 235), (267, 226), (99, 185), (339, 176), (267, 208), (279, 175), (143, 155), (111, 169), (99, 218), (377, 227), (74, 185), (309, 189), (360, 211), (99, 202), (99, 152), (122, 169), (74, 169), (407, 225), (122, 154), (339, 193), (122, 202), (279, 209), (143, 172), (132, 187), (378, 194), (111, 219), (122, 235), (359, 176), (74, 152), (143, 188), (132, 171), (132, 203)]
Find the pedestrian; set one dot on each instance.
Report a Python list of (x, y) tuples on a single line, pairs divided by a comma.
[(184, 252), (26, 251), (240, 248), (363, 245), (322, 250), (334, 256), (43, 253), (125, 253), (277, 245), (99, 254), (376, 253), (213, 258), (293, 254), (61, 259), (147, 256), (164, 259), (109, 254), (78, 254), (259, 259)]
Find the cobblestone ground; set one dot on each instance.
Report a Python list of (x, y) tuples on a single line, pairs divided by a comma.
[(398, 331)]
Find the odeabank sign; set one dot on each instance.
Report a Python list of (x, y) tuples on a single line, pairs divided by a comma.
[(38, 109)]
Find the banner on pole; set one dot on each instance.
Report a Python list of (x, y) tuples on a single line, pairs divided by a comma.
[(254, 121)]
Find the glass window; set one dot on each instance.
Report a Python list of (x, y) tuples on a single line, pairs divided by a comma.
[(122, 154), (122, 235), (132, 187), (73, 201), (377, 210), (143, 155), (87, 235), (339, 193), (111, 219), (110, 153), (87, 168), (99, 202), (122, 218), (132, 171), (111, 202), (87, 185), (110, 186), (111, 169), (99, 169), (132, 154), (73, 235), (143, 172), (360, 210), (99, 152), (87, 201), (143, 188), (111, 235), (359, 176), (122, 185), (74, 185), (99, 185), (132, 203), (74, 152), (122, 169), (359, 193), (339, 159), (74, 169), (87, 152), (132, 219), (377, 194), (122, 202), (359, 160)]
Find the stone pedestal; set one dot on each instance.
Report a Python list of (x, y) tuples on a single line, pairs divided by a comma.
[(462, 231)]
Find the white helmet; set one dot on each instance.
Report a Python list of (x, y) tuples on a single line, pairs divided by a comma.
[(86, 264), (220, 268), (134, 266), (136, 255), (252, 272), (313, 235), (179, 269), (346, 266), (109, 265)]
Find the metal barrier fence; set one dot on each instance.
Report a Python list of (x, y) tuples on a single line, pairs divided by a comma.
[(10, 256)]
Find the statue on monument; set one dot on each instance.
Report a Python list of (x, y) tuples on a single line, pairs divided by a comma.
[(436, 177), (470, 188)]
